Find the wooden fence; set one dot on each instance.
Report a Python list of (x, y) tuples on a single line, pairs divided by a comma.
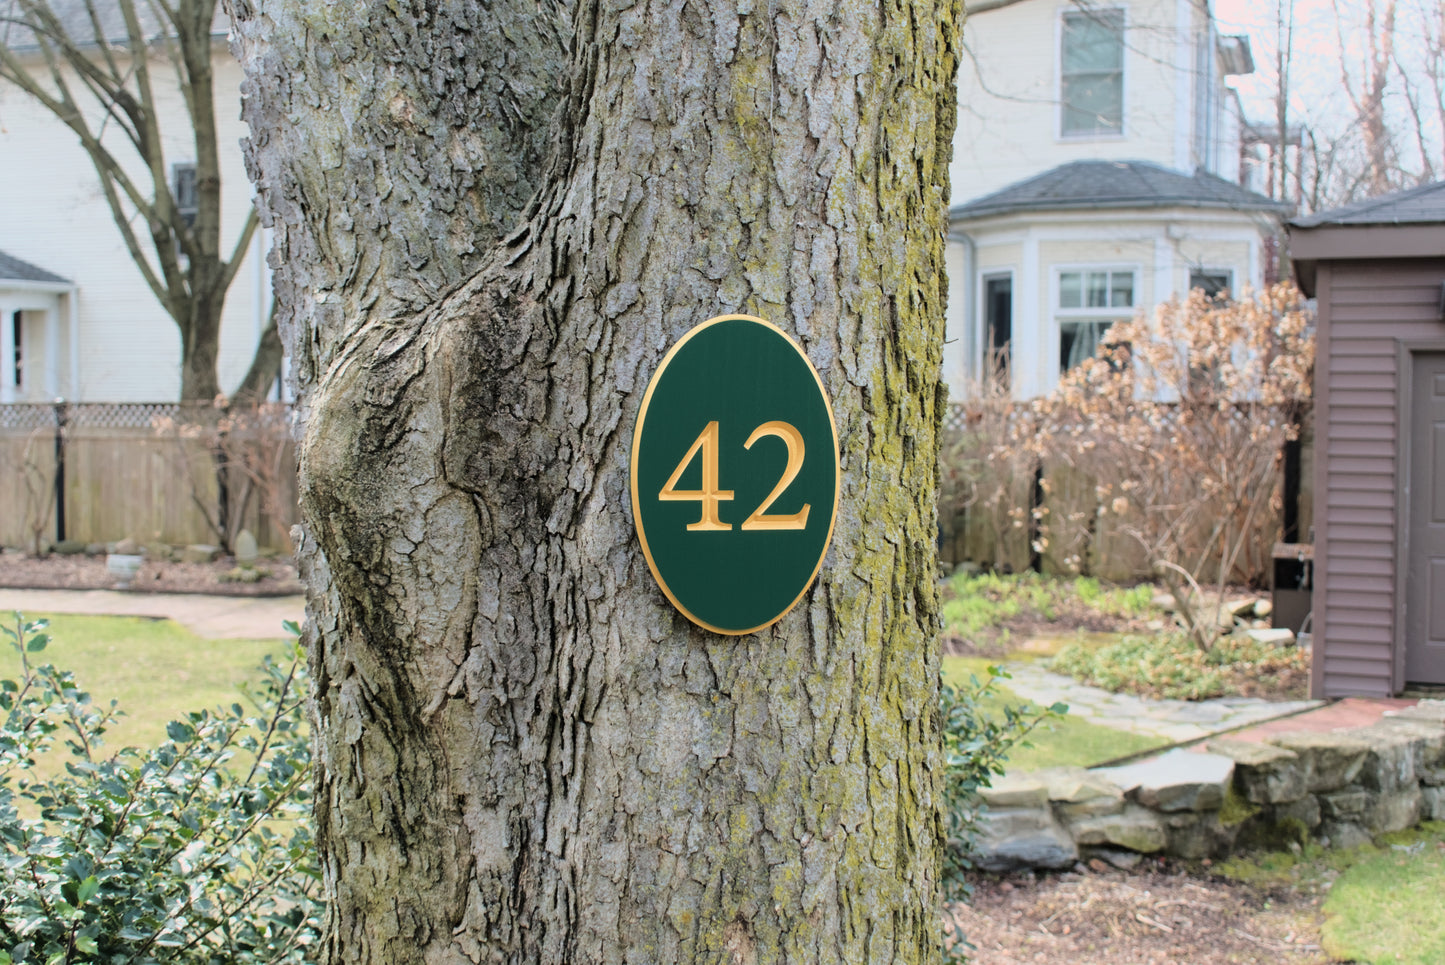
[(995, 528), (98, 473)]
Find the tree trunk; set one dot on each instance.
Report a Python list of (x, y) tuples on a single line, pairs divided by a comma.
[(265, 366), (491, 224), (200, 347)]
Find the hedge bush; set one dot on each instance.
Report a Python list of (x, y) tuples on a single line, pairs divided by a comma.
[(196, 851)]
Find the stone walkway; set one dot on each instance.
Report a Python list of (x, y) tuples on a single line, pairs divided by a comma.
[(1171, 721), (212, 617)]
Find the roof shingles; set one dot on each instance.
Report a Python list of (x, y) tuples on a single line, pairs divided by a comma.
[(13, 269), (1093, 185), (1422, 205)]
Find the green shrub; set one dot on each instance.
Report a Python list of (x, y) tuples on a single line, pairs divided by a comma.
[(1124, 601), (976, 743), (197, 851), (1170, 665)]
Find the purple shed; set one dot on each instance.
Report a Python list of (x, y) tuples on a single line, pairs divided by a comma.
[(1377, 269)]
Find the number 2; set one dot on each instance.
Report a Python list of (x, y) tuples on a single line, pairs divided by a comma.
[(761, 518), (710, 495)]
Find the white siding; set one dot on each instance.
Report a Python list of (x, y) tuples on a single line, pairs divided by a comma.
[(1009, 86), (57, 218), (1160, 247)]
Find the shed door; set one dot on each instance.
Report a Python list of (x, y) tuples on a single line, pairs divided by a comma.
[(1425, 583)]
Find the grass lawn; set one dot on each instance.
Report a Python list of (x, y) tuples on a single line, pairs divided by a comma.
[(1383, 901), (157, 669), (1386, 904), (1055, 743)]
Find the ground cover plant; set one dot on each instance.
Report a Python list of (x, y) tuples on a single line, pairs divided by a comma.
[(1057, 740), (1172, 665), (988, 614), (194, 851), (1115, 637)]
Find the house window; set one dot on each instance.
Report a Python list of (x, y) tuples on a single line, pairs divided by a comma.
[(1089, 301), (1214, 281), (998, 301), (1091, 74), (17, 323), (183, 187)]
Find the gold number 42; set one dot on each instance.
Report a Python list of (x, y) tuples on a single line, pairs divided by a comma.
[(710, 495)]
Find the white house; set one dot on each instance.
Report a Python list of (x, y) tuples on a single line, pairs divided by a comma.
[(76, 318), (1094, 174), (1093, 171)]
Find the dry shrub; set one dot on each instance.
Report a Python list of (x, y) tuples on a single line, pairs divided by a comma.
[(1164, 447), (989, 462), (1181, 421)]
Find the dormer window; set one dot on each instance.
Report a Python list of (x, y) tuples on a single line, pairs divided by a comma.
[(1215, 282), (1091, 74)]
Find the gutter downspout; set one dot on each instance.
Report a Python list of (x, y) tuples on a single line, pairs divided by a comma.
[(73, 297), (970, 295)]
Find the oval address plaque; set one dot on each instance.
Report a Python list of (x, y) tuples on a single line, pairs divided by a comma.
[(735, 474)]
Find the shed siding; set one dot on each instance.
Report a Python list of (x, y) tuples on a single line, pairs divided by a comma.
[(1364, 550), (1369, 364), (1366, 308)]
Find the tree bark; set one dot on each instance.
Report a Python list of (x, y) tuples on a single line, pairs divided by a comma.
[(491, 223)]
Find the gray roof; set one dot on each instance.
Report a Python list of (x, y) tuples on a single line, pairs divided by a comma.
[(13, 269), (1096, 185), (1422, 205)]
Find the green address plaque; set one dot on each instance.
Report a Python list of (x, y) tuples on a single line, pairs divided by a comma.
[(735, 474)]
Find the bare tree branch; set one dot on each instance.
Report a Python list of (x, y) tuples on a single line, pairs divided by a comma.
[(984, 6), (264, 367)]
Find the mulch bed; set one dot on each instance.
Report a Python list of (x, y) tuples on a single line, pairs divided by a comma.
[(79, 572), (1163, 915)]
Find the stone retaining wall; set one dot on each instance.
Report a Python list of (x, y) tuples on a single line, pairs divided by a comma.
[(1336, 788)]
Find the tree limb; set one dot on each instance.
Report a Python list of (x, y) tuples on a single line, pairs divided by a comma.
[(238, 253), (264, 365), (984, 6)]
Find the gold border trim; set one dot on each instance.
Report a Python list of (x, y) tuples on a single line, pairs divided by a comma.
[(632, 481)]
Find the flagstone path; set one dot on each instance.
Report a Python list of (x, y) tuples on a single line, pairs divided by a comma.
[(1170, 720)]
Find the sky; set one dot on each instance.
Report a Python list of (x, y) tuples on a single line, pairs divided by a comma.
[(1315, 70), (1315, 76), (1317, 89)]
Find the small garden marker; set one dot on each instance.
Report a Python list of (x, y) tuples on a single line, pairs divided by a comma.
[(735, 474)]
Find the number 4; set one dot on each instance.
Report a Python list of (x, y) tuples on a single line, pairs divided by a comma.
[(710, 495)]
